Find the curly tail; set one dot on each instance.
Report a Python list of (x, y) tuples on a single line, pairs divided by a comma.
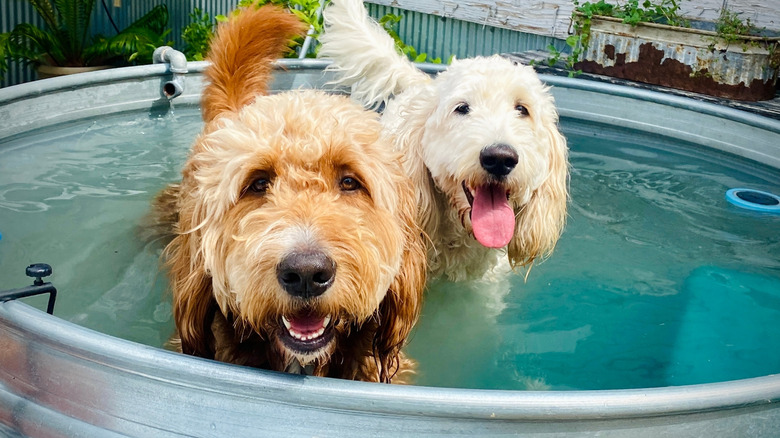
[(242, 55), (364, 55)]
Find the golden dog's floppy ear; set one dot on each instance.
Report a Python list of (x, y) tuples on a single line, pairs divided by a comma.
[(540, 222), (400, 308), (193, 302)]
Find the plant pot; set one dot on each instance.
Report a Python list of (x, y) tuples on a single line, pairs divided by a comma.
[(53, 71), (683, 58)]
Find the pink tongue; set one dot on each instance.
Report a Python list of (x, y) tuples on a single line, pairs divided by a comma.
[(492, 219), (305, 323)]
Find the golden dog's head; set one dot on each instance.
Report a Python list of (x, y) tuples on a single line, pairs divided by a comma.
[(297, 222)]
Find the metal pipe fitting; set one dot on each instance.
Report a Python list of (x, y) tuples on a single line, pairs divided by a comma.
[(177, 65)]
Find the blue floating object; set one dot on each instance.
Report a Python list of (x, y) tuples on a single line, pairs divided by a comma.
[(755, 200)]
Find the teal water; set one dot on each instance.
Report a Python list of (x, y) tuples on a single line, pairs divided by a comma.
[(74, 197), (657, 280)]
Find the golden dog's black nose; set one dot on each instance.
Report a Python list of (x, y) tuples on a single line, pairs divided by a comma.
[(498, 159), (306, 274)]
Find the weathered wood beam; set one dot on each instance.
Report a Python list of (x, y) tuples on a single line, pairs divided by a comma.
[(553, 17)]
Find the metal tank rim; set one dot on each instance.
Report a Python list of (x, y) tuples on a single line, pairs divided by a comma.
[(37, 88), (184, 371)]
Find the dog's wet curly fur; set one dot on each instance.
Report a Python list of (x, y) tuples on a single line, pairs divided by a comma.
[(296, 245), (480, 141)]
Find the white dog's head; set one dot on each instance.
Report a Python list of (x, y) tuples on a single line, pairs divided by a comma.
[(486, 133)]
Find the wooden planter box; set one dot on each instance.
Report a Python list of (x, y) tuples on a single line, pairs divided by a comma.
[(687, 59)]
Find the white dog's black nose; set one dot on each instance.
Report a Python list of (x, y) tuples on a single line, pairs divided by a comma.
[(498, 159), (306, 274)]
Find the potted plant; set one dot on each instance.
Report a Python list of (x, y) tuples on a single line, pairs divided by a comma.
[(650, 42), (64, 45)]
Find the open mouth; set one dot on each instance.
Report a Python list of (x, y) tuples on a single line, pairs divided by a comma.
[(492, 218), (306, 332)]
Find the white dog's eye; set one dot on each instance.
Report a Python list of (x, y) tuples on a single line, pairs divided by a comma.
[(462, 108), (521, 109), (349, 184)]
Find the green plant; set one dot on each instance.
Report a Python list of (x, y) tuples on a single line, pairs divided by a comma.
[(137, 41), (632, 13), (578, 40), (665, 12), (730, 29), (568, 60), (197, 35), (3, 62), (65, 41), (390, 23)]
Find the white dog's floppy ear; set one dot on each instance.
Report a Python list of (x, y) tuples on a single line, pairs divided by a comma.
[(409, 134), (540, 222)]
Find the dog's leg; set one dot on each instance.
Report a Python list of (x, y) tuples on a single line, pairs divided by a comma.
[(458, 338)]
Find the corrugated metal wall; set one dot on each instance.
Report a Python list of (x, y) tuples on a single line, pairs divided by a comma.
[(441, 37), (438, 37)]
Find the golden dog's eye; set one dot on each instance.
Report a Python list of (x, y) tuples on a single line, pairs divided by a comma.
[(349, 184), (521, 109), (462, 109), (259, 183)]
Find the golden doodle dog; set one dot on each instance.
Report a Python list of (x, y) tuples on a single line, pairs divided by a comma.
[(296, 245), (480, 141)]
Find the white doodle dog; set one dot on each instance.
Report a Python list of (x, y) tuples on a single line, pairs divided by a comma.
[(480, 142)]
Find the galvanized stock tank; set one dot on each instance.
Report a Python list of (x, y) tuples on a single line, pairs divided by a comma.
[(59, 379)]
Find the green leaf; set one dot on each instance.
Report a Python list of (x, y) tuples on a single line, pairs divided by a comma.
[(46, 10), (301, 15), (27, 43), (156, 20), (74, 18), (197, 35)]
